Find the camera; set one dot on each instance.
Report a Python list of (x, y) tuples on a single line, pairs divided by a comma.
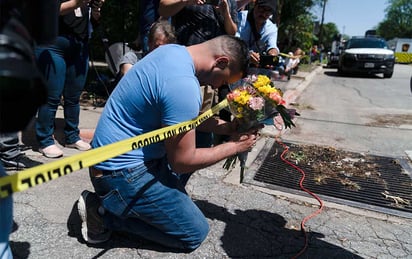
[(268, 61), (213, 2)]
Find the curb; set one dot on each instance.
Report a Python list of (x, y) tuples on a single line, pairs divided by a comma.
[(291, 95)]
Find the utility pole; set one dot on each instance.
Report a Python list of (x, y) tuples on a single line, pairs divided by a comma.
[(321, 22)]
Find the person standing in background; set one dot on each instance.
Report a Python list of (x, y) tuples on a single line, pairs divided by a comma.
[(314, 52), (196, 21), (65, 65), (258, 31), (148, 13), (321, 51)]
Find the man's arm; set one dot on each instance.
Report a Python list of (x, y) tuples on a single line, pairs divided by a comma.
[(273, 52), (184, 157), (69, 6), (218, 126), (270, 38), (229, 24), (169, 8)]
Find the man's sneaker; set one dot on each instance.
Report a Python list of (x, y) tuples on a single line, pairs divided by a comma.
[(19, 162), (93, 230), (80, 145)]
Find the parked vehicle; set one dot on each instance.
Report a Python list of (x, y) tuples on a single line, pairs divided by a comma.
[(369, 55), (402, 48)]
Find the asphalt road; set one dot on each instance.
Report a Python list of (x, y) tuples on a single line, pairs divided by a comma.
[(359, 113)]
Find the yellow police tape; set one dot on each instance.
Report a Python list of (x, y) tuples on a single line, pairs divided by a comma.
[(285, 55), (44, 173), (289, 56)]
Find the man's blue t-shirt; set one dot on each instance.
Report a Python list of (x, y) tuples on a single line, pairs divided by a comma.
[(161, 89)]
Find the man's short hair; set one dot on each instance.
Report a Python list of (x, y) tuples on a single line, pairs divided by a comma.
[(237, 50)]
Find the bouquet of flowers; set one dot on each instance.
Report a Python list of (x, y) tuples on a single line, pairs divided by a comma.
[(247, 106), (274, 103), (255, 101)]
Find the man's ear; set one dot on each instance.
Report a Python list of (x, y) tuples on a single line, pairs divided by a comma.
[(222, 62)]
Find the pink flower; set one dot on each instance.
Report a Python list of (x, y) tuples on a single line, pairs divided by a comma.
[(232, 95), (256, 103), (277, 98)]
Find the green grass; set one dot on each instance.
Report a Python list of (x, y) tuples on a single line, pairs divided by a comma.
[(308, 67)]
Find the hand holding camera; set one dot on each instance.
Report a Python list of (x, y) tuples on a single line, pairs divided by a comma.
[(268, 61)]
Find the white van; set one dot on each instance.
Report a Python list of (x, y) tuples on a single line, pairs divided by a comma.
[(402, 48)]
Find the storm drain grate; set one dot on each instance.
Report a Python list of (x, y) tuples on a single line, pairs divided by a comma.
[(372, 182)]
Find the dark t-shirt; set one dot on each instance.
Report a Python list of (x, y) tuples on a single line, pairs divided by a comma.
[(198, 23), (75, 23)]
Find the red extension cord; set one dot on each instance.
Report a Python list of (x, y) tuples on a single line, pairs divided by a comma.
[(302, 224)]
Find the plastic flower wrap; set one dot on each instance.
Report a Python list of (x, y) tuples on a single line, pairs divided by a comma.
[(248, 107)]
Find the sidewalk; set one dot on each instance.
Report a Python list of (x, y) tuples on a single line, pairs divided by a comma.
[(245, 221)]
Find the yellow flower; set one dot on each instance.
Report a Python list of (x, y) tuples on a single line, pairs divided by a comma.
[(243, 98), (261, 80), (264, 86)]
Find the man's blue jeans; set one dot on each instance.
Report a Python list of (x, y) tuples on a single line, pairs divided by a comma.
[(151, 202), (65, 65)]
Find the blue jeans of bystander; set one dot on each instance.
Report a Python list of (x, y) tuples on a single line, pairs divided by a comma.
[(151, 202), (65, 65)]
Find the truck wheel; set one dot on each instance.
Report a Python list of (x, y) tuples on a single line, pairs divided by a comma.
[(387, 75)]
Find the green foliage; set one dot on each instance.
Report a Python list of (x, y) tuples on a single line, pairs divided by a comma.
[(398, 20), (330, 30), (295, 25), (119, 22)]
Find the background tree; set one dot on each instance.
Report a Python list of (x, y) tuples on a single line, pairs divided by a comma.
[(295, 24), (330, 30), (398, 20), (119, 22)]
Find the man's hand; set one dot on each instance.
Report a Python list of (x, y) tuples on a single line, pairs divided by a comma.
[(245, 141), (254, 58)]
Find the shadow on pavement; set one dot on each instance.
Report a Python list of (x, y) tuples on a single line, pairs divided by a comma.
[(247, 234), (258, 234), (357, 75), (20, 250)]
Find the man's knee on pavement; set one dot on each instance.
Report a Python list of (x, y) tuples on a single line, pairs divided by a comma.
[(196, 237)]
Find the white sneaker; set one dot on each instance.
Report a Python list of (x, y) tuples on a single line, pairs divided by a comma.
[(80, 145), (52, 151), (93, 229)]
